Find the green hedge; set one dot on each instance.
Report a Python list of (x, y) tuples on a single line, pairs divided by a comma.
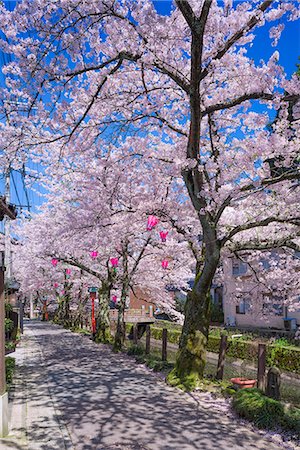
[(265, 412), (10, 366), (285, 358)]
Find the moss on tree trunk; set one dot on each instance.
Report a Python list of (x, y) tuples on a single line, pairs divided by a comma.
[(103, 325), (121, 329), (191, 357)]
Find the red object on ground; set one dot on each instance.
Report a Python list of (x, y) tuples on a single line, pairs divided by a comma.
[(243, 383)]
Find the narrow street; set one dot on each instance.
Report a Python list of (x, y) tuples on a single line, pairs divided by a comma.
[(72, 393)]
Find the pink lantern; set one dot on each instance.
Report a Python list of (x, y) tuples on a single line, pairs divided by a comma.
[(164, 264), (55, 285), (152, 222), (114, 262), (68, 271), (54, 262), (163, 235), (114, 298), (94, 254)]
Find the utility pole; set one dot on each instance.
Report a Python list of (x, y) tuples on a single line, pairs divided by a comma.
[(3, 393), (7, 236), (4, 277)]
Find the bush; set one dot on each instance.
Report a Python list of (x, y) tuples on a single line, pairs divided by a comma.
[(265, 412), (173, 335), (9, 325), (213, 344), (10, 346), (251, 404), (291, 421), (135, 350), (8, 309), (285, 358), (281, 342), (10, 366)]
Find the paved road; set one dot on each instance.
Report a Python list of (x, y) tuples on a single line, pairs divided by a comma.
[(82, 396)]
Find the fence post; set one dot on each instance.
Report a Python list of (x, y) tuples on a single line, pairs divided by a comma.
[(261, 366), (164, 344), (273, 383), (148, 336), (135, 334), (222, 354)]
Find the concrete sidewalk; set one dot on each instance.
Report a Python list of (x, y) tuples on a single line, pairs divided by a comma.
[(74, 394), (33, 415)]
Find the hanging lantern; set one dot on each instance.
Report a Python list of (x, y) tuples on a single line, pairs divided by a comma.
[(114, 298), (163, 235), (54, 262), (114, 262), (164, 264), (68, 271), (55, 285), (152, 222), (94, 254)]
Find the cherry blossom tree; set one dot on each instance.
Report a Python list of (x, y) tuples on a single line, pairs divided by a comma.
[(183, 85), (112, 221)]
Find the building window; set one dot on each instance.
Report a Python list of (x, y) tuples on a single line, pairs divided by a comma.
[(239, 267), (243, 307), (273, 306)]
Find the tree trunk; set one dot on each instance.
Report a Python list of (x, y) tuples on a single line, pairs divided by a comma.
[(191, 357), (103, 324), (121, 329), (66, 312)]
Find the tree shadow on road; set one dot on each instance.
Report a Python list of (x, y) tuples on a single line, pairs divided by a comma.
[(106, 402)]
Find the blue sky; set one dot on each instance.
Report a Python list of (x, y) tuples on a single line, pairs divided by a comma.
[(288, 47)]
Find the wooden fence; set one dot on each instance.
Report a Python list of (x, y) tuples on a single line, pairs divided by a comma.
[(261, 354)]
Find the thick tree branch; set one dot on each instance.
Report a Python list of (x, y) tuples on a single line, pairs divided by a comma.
[(187, 12), (265, 244), (74, 262), (239, 34), (260, 223), (243, 98)]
